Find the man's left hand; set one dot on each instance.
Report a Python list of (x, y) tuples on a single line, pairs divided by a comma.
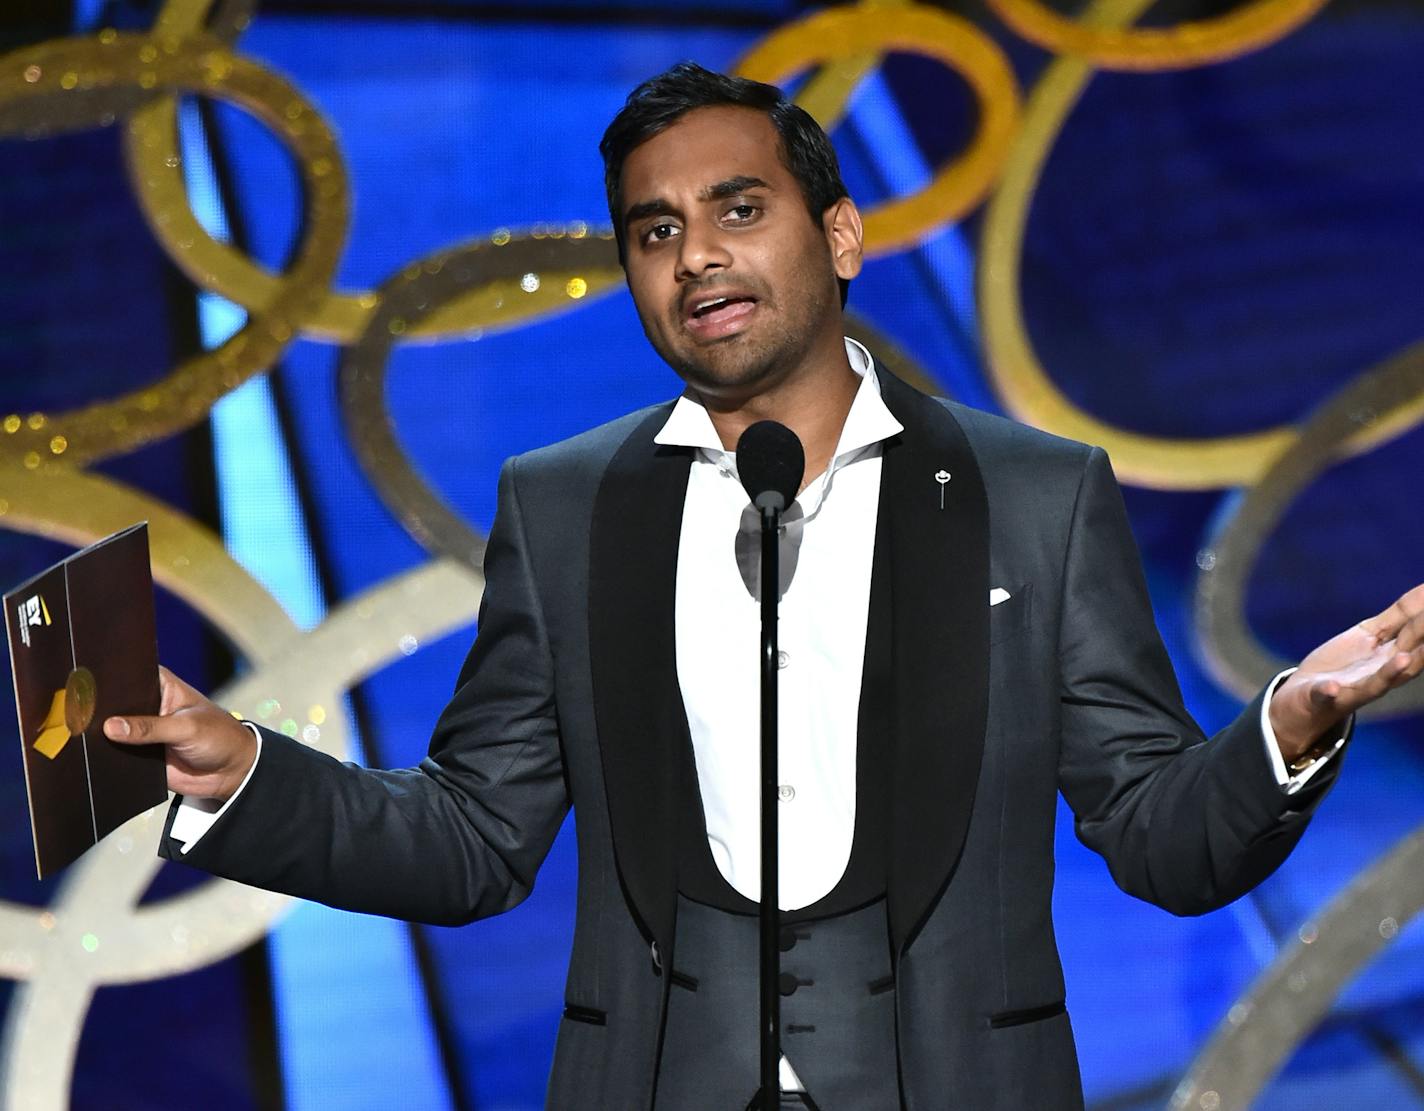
[(1347, 672)]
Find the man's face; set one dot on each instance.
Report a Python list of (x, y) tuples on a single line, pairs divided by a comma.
[(735, 283)]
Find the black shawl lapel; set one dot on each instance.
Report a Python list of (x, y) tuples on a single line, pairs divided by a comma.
[(939, 650), (642, 726)]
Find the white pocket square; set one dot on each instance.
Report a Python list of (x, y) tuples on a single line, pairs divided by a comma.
[(997, 595)]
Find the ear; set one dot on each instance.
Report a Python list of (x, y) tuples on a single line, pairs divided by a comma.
[(841, 223)]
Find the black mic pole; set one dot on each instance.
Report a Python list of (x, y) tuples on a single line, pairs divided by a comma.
[(770, 843), (770, 463)]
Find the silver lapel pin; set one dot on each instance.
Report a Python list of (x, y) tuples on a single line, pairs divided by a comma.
[(942, 477)]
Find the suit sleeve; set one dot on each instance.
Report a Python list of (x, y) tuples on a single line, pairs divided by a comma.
[(1187, 823), (459, 837)]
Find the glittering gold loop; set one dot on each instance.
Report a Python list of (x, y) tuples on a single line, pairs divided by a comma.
[(41, 113), (499, 274), (1233, 654), (149, 143), (827, 92), (87, 74), (223, 19), (151, 148), (849, 33), (1259, 23), (1021, 380)]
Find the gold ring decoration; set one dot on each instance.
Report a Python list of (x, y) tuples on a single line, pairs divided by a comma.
[(222, 19), (155, 169), (497, 277), (95, 931), (1020, 379), (86, 81), (1258, 23), (828, 91), (848, 33), (37, 114), (1230, 650), (151, 150), (1296, 992)]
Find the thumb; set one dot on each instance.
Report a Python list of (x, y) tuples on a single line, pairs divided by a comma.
[(1324, 693), (174, 694)]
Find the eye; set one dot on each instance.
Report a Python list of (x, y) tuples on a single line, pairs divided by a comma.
[(742, 213), (657, 233)]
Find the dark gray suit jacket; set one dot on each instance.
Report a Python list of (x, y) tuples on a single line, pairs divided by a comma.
[(570, 696)]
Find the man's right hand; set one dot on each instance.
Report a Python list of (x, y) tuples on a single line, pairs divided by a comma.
[(207, 750)]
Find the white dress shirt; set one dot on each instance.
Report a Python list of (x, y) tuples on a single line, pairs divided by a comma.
[(826, 552)]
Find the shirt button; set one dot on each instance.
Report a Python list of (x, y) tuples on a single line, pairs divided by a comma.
[(786, 792), (782, 659)]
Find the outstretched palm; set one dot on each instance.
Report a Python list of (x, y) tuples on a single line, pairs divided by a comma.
[(1348, 671)]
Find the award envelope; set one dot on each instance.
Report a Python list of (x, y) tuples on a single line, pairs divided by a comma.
[(83, 647)]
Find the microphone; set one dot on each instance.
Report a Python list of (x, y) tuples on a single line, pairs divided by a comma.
[(770, 463)]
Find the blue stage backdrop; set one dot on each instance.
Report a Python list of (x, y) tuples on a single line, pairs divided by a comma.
[(260, 287)]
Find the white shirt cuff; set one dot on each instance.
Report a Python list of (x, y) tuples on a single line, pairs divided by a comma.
[(196, 816), (1292, 783)]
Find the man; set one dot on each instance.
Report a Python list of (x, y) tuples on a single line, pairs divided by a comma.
[(966, 633)]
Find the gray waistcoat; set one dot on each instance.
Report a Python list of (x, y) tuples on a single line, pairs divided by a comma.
[(837, 1011)]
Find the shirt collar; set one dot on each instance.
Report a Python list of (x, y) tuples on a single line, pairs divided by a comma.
[(868, 422)]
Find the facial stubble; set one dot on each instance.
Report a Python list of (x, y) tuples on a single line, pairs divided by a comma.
[(747, 363)]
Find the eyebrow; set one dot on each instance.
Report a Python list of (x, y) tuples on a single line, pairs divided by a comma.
[(731, 187), (721, 190)]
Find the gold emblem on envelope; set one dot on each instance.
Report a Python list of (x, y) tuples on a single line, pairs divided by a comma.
[(70, 713)]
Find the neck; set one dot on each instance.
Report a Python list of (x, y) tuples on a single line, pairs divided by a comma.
[(813, 405)]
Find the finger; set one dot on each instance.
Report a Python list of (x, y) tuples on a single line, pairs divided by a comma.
[(175, 694), (1398, 669), (1344, 694), (1387, 624), (1325, 693), (1411, 634), (1415, 666), (141, 729)]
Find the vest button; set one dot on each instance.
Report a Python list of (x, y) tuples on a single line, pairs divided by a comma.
[(787, 983), (788, 939)]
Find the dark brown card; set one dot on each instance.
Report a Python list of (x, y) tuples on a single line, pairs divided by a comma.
[(83, 647)]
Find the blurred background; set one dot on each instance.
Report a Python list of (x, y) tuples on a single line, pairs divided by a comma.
[(291, 279)]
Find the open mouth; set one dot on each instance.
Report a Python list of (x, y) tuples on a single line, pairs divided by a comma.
[(717, 316)]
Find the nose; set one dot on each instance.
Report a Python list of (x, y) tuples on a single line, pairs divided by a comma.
[(703, 248)]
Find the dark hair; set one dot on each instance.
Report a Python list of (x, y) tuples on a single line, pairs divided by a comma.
[(661, 101)]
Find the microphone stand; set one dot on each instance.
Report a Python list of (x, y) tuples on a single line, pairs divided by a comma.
[(768, 1097), (771, 463)]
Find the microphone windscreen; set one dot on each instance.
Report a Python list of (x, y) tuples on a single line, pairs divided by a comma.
[(770, 460)]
